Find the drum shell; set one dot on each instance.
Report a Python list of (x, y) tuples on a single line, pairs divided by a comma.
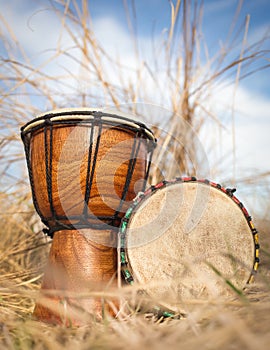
[(78, 272), (67, 170), (85, 167)]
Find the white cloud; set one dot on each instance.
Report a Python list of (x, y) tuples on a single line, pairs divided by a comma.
[(251, 124), (37, 29), (115, 40)]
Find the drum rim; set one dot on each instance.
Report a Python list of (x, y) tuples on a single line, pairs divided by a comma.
[(85, 114), (126, 269)]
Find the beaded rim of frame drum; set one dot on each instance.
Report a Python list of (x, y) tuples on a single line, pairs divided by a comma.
[(93, 118), (126, 269)]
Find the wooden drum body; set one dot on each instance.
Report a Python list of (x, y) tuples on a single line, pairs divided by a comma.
[(188, 239), (85, 166)]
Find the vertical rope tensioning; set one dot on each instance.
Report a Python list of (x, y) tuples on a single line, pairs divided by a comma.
[(148, 168), (132, 162), (87, 185), (26, 141), (95, 120), (48, 163), (90, 176)]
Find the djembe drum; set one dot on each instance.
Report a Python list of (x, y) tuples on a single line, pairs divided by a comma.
[(85, 166), (187, 239)]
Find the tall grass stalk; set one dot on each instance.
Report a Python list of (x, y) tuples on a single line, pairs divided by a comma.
[(90, 75)]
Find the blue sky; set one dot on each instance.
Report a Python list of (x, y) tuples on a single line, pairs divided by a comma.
[(37, 30), (151, 18)]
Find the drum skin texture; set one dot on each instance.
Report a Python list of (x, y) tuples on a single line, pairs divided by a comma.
[(198, 241), (81, 179)]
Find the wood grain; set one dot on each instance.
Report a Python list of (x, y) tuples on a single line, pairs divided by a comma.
[(85, 261), (69, 170), (78, 266)]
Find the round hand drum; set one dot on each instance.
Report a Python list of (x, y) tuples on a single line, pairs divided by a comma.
[(187, 239), (85, 166)]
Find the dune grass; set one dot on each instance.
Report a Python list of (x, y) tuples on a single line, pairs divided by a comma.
[(236, 322), (190, 76)]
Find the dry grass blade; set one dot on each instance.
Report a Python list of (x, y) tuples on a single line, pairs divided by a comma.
[(182, 76)]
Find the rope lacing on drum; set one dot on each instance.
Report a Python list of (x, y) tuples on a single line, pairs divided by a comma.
[(55, 222), (90, 176)]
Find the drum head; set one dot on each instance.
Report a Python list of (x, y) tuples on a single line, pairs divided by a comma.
[(188, 239), (84, 114)]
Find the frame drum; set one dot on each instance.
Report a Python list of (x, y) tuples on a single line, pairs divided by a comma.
[(187, 239)]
